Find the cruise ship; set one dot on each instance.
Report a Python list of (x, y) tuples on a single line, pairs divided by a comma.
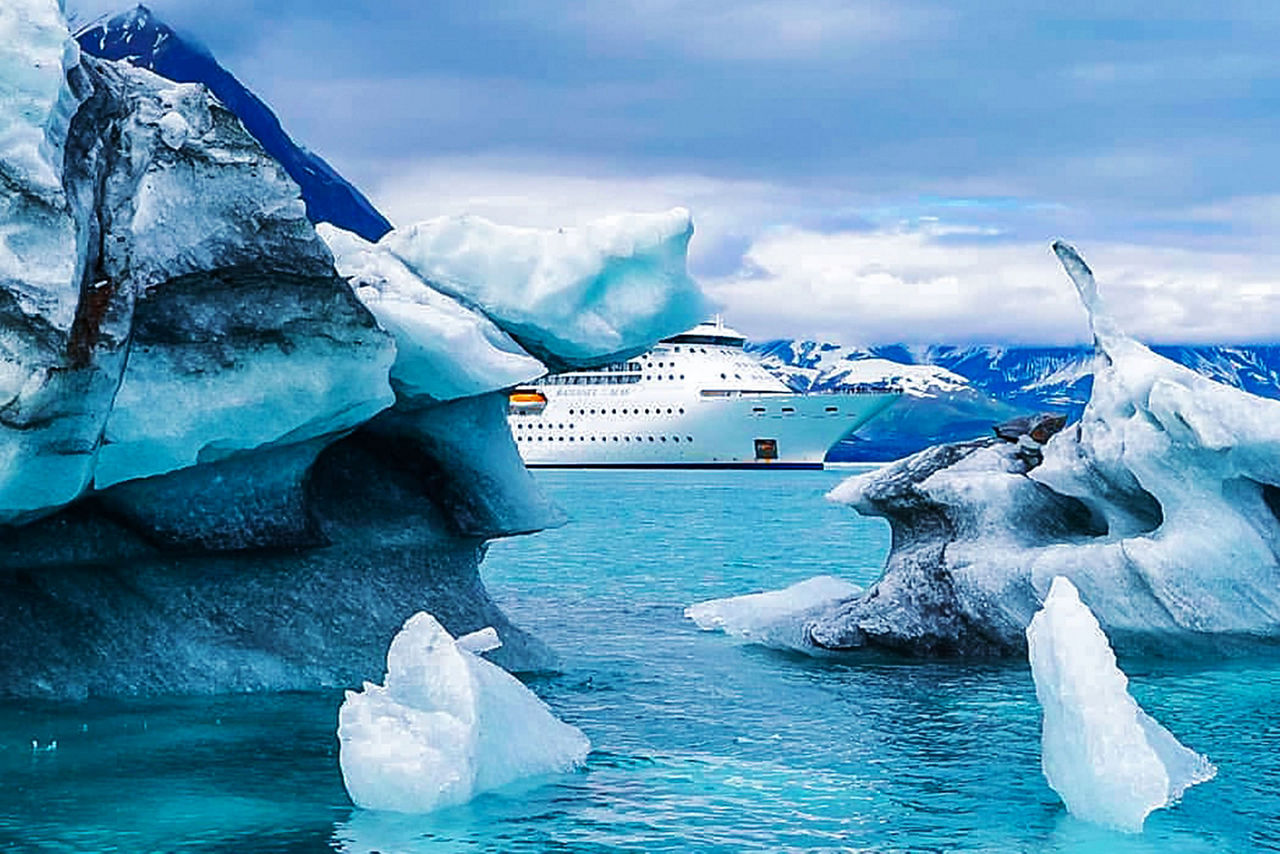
[(696, 400)]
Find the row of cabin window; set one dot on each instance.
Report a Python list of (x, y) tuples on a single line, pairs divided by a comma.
[(611, 379), (525, 437), (624, 411)]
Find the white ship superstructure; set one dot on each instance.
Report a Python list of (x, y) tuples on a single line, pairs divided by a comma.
[(696, 400)]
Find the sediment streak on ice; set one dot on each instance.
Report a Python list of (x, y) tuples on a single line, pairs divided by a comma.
[(1108, 760)]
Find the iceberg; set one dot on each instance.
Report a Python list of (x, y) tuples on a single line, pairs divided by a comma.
[(775, 618), (193, 395), (1108, 760), (572, 297), (1162, 505), (445, 726)]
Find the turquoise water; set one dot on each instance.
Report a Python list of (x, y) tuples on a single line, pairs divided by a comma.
[(699, 743)]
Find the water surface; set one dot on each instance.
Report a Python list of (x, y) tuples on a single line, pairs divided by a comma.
[(699, 743)]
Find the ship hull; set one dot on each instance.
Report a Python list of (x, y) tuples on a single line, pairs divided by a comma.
[(604, 428)]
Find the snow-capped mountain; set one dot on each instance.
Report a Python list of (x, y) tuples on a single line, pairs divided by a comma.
[(954, 393), (143, 40)]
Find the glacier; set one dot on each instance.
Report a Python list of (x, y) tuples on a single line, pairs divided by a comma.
[(1109, 761), (774, 618), (1161, 505), (228, 460), (446, 725)]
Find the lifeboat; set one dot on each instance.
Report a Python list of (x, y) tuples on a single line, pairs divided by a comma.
[(526, 401)]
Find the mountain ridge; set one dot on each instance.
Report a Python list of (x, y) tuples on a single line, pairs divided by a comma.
[(998, 382)]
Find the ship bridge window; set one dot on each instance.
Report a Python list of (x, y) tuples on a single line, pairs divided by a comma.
[(833, 409), (757, 409), (788, 409), (712, 340)]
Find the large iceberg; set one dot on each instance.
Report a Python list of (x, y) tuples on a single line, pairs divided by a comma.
[(446, 725), (1108, 760), (1162, 505), (220, 470), (774, 618)]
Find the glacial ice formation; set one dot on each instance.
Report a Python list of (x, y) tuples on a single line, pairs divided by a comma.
[(571, 297), (446, 726), (1108, 760), (775, 618), (219, 470), (443, 349), (1162, 505)]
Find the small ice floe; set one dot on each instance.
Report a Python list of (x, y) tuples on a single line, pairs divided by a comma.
[(775, 618), (1108, 760), (446, 725)]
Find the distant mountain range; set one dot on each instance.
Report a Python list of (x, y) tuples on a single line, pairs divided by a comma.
[(145, 41), (954, 393)]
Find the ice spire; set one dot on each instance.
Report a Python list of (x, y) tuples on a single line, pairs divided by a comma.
[(1105, 329)]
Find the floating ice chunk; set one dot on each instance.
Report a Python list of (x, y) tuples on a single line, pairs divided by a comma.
[(572, 297), (775, 618), (1109, 761), (482, 640), (444, 350), (446, 726)]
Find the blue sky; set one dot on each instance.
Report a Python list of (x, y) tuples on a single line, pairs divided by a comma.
[(861, 171)]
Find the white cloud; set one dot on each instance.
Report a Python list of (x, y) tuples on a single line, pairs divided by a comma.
[(912, 285)]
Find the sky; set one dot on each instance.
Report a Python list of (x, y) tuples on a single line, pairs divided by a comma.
[(859, 171)]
